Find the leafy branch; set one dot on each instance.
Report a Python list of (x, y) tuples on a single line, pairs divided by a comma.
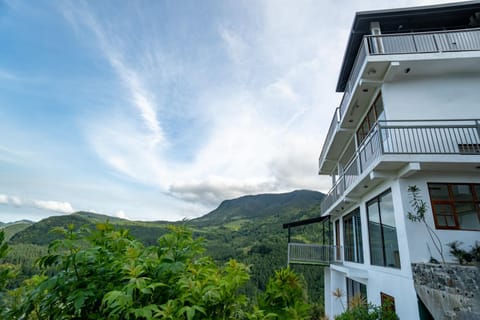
[(418, 215)]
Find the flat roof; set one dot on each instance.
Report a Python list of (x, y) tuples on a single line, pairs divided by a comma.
[(305, 222), (414, 19)]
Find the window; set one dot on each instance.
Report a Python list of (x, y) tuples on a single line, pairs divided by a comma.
[(382, 231), (387, 299), (352, 237), (355, 289), (373, 115), (455, 205), (337, 240)]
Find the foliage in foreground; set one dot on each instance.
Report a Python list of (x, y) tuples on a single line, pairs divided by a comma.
[(106, 274), (360, 309)]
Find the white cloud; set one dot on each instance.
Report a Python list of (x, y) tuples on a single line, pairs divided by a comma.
[(108, 42), (12, 200), (237, 48), (3, 199), (16, 201), (62, 207)]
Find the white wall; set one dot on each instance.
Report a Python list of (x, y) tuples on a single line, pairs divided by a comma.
[(337, 305), (412, 241), (418, 239), (327, 291), (395, 282), (449, 97), (399, 287)]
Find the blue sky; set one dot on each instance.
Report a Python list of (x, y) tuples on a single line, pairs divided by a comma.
[(159, 110)]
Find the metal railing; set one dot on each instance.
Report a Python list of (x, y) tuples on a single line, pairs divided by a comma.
[(331, 130), (405, 43), (352, 79), (424, 42), (303, 253), (409, 137)]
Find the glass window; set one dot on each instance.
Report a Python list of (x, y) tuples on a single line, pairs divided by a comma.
[(461, 192), (352, 237), (439, 191), (383, 232), (355, 290), (387, 300), (455, 205), (444, 216), (374, 114)]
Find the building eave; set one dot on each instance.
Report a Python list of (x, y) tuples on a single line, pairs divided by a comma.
[(414, 19)]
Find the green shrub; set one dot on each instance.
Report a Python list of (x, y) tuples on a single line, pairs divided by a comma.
[(369, 312)]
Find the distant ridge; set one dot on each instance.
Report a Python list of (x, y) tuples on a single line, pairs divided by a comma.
[(262, 205)]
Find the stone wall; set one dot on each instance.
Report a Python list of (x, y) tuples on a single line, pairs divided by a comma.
[(449, 291)]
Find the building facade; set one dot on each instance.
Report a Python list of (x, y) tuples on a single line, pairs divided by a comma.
[(410, 116)]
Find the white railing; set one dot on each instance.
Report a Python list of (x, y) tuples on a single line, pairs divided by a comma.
[(412, 137), (303, 253)]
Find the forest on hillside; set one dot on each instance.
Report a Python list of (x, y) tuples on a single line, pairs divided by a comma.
[(248, 229)]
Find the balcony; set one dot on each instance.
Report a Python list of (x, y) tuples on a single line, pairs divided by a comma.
[(315, 254), (413, 139), (378, 48)]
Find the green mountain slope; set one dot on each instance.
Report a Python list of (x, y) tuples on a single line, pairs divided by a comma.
[(14, 227), (40, 233), (248, 229), (282, 205)]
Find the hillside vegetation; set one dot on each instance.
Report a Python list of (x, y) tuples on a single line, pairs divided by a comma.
[(248, 229)]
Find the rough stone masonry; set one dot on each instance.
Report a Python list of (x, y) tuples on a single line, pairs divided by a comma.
[(449, 291)]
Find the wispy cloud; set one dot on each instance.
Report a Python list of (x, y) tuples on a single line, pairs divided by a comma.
[(140, 97)]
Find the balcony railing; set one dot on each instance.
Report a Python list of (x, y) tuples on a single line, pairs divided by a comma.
[(302, 253), (412, 137), (425, 42), (404, 43)]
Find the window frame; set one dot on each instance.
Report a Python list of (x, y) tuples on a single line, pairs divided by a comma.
[(386, 297), (354, 288), (475, 200), (382, 232), (371, 115), (356, 233)]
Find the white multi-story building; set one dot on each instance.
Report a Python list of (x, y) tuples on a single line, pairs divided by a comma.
[(410, 116)]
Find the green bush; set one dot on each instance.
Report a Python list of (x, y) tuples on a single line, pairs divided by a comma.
[(369, 312)]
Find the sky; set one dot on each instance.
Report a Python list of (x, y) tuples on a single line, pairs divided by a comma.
[(160, 110)]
